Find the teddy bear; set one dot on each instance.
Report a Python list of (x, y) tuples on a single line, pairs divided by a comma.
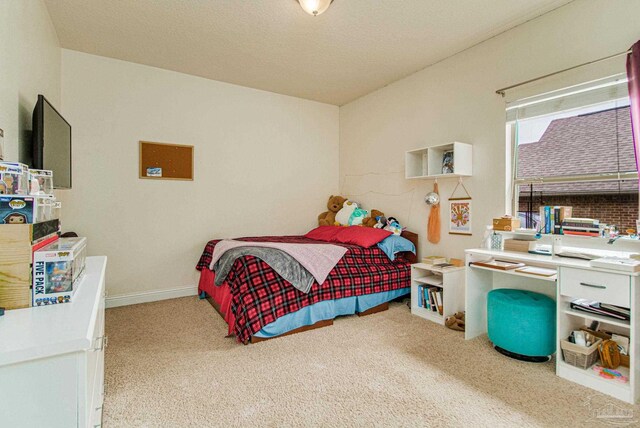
[(334, 205), (372, 220)]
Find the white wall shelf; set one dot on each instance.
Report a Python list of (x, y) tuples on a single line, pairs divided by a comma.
[(426, 163)]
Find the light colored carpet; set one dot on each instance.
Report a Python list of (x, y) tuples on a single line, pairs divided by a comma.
[(168, 364)]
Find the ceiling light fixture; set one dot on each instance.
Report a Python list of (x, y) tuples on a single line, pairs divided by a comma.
[(315, 7)]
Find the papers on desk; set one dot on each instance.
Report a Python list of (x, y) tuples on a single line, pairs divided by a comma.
[(499, 264), (533, 270), (616, 263), (577, 255)]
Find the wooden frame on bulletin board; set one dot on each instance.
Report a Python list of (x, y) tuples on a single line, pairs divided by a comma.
[(174, 160)]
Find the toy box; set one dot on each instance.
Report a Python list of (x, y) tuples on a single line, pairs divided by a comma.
[(15, 209), (56, 270), (507, 224), (14, 178), (40, 182), (47, 208)]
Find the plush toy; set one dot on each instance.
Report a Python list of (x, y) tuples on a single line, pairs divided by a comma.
[(393, 226), (334, 205), (372, 220), (357, 216), (342, 216), (456, 321)]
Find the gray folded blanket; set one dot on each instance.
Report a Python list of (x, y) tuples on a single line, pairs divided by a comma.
[(285, 265)]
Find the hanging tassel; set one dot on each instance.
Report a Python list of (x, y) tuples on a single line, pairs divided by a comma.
[(433, 226)]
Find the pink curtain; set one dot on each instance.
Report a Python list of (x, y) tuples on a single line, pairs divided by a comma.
[(633, 74)]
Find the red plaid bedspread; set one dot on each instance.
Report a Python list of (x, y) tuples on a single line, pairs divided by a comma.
[(260, 295)]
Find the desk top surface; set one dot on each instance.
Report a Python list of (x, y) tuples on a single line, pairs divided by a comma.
[(542, 260)]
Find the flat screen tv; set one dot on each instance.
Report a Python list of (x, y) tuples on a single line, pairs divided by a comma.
[(52, 143)]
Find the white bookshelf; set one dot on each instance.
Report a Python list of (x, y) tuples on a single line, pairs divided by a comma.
[(426, 163), (450, 280)]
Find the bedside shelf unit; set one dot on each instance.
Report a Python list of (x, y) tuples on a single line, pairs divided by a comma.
[(451, 281), (426, 163)]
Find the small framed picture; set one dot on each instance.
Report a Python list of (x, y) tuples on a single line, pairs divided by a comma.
[(460, 216)]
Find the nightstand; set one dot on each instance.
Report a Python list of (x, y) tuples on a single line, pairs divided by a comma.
[(448, 283)]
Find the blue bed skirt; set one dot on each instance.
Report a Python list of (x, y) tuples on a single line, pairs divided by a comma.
[(328, 310)]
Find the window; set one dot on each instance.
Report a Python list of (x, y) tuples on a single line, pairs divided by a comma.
[(575, 148)]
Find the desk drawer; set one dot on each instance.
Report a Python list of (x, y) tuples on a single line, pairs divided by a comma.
[(588, 284)]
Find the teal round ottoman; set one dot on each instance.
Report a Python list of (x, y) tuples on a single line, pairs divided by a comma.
[(522, 324)]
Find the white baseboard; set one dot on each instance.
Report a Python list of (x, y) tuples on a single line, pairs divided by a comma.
[(150, 296)]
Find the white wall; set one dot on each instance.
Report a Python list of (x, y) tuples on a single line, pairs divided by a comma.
[(29, 65), (264, 164), (455, 100)]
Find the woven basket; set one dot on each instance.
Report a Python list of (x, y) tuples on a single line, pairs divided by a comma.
[(580, 356)]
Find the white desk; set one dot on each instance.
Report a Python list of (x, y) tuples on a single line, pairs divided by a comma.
[(575, 279)]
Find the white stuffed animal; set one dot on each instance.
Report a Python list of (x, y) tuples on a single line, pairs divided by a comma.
[(342, 216)]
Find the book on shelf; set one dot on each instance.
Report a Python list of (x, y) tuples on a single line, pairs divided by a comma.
[(433, 260), (443, 267), (581, 222), (425, 296), (596, 308), (619, 309), (430, 298), (499, 264), (552, 217), (438, 295), (581, 233), (434, 300)]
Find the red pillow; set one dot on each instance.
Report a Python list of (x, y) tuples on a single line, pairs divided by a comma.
[(324, 233), (363, 236)]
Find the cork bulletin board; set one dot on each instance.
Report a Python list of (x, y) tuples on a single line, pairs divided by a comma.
[(166, 161)]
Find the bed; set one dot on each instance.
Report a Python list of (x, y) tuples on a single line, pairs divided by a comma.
[(258, 304)]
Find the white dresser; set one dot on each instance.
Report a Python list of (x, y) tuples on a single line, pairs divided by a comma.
[(52, 359)]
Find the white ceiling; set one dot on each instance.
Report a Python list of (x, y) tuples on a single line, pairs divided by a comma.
[(354, 48)]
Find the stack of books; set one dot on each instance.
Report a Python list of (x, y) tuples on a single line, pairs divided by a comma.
[(581, 226), (433, 260), (552, 218), (602, 309), (430, 298), (441, 267)]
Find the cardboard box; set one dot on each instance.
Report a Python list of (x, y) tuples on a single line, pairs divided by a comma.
[(507, 224), (56, 270)]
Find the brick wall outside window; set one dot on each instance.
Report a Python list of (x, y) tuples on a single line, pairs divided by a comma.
[(618, 209)]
